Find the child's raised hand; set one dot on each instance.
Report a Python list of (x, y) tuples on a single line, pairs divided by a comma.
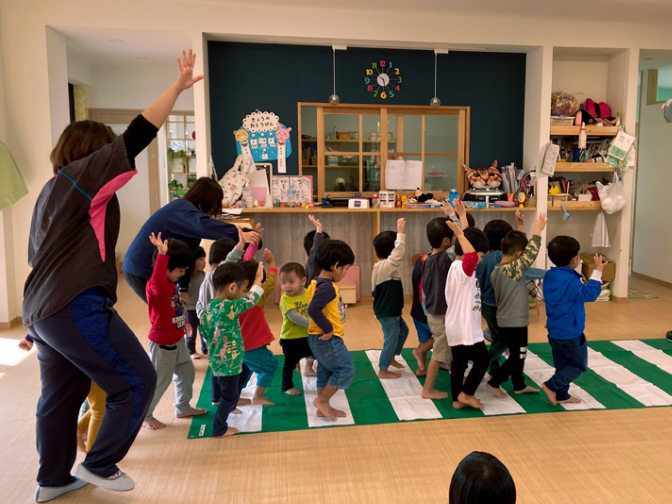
[(259, 277), (161, 245), (520, 220), (241, 238), (599, 263), (186, 77), (540, 224), (447, 209), (268, 256), (401, 226), (251, 237), (316, 222), (457, 230), (459, 208), (26, 345)]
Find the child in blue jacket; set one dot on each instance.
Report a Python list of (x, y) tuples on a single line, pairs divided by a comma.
[(565, 295)]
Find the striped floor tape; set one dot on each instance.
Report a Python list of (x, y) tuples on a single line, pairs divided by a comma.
[(621, 375)]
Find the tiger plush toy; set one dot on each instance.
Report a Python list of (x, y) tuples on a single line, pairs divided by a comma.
[(480, 178)]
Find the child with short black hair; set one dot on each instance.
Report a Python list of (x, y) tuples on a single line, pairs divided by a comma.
[(419, 316), (327, 325), (167, 348), (256, 333), (197, 269), (295, 322), (388, 296), (311, 242), (480, 478), (463, 317), (221, 329), (434, 276), (495, 230), (564, 296), (513, 312)]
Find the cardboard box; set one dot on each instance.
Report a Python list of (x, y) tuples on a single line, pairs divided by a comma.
[(588, 266)]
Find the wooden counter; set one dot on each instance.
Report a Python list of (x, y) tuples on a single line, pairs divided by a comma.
[(285, 228)]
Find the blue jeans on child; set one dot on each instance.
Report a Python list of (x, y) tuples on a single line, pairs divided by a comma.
[(230, 388), (570, 358), (395, 332), (423, 330), (334, 363), (261, 361)]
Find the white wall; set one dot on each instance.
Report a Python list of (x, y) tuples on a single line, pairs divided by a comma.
[(584, 77), (652, 237), (80, 70)]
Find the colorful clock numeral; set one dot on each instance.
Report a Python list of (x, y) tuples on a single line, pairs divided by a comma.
[(369, 88), (374, 65), (369, 71), (367, 80), (375, 93), (382, 63), (378, 79), (383, 95), (397, 88), (399, 79), (396, 71), (391, 94)]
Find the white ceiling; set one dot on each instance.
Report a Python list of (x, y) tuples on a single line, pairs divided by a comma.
[(102, 46), (626, 11)]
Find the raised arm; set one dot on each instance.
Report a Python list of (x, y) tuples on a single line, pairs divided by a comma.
[(516, 269)]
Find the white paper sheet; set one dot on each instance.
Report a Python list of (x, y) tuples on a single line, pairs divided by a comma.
[(404, 393), (400, 174), (250, 419), (338, 401)]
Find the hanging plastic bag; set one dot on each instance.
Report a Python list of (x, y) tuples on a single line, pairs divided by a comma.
[(612, 196), (600, 232), (234, 181)]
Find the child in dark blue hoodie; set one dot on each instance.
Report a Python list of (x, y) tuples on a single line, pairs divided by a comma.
[(565, 295)]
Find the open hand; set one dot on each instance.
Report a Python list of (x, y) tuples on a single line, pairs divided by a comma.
[(447, 209), (460, 210), (316, 222), (268, 256), (540, 224), (259, 277), (520, 220), (186, 78), (457, 230), (401, 226), (599, 263), (161, 245)]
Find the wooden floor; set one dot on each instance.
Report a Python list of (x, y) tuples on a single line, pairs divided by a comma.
[(579, 457)]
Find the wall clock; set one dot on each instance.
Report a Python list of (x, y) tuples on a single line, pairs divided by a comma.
[(383, 80)]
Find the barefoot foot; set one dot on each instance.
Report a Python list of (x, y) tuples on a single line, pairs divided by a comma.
[(421, 372), (422, 364), (236, 411), (384, 374), (263, 401), (293, 391), (550, 394), (192, 412), (469, 400), (243, 401), (433, 394), (195, 356), (458, 405), (326, 410), (81, 444), (395, 363), (231, 431), (527, 390), (571, 400), (497, 391), (152, 423)]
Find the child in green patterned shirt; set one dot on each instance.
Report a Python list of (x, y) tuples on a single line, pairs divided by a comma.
[(221, 331)]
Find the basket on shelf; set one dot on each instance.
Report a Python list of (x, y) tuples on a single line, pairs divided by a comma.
[(343, 135), (562, 120)]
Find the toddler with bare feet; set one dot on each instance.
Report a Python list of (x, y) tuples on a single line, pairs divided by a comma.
[(326, 310), (463, 317), (565, 295), (167, 346), (221, 330), (388, 296), (513, 311)]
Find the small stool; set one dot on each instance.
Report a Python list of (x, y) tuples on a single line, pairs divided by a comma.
[(535, 281)]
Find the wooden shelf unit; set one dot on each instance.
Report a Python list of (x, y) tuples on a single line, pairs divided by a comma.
[(591, 130), (573, 205), (565, 167), (288, 210)]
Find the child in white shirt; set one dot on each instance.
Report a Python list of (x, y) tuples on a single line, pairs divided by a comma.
[(463, 317)]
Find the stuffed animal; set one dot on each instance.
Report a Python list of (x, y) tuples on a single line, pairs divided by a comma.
[(480, 178)]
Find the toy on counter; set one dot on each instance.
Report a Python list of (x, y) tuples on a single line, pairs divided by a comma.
[(326, 202)]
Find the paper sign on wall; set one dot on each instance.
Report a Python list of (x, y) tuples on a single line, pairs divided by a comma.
[(403, 174), (264, 137), (301, 185)]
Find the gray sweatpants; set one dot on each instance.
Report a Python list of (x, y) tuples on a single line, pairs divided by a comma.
[(172, 365)]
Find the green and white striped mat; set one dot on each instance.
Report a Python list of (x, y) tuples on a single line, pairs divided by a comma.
[(621, 375)]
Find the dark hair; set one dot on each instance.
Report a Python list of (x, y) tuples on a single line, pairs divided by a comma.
[(79, 140), (480, 478), (470, 220), (513, 242), (294, 267), (226, 274), (562, 249), (308, 240), (384, 244), (220, 249), (477, 239), (250, 267), (207, 195), (437, 230), (331, 252), (179, 255), (496, 230), (260, 245), (200, 252)]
